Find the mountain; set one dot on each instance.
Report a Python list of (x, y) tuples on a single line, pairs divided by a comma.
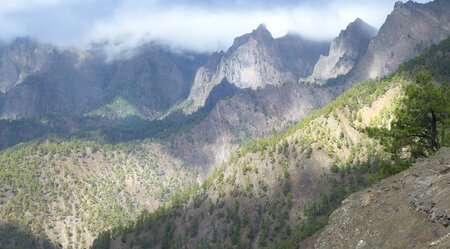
[(256, 60), (40, 78), (357, 54), (417, 200), (154, 79), (345, 51), (22, 58), (259, 196), (111, 177), (278, 191), (407, 31), (249, 114)]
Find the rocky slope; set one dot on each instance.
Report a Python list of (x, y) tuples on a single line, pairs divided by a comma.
[(256, 60), (407, 31), (345, 51), (247, 115), (409, 210)]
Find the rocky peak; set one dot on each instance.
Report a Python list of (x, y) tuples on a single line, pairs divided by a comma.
[(256, 60), (398, 4), (261, 35), (359, 27), (407, 31), (345, 50)]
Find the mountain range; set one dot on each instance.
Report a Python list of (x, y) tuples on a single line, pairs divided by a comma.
[(252, 147)]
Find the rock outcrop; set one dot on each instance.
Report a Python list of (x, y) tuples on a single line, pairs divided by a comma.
[(345, 51), (409, 210), (407, 31), (256, 60), (247, 115), (357, 55), (21, 58)]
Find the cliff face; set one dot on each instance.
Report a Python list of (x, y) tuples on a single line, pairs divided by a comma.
[(407, 31), (359, 53), (38, 78), (248, 115), (256, 60), (22, 58), (345, 51), (409, 210)]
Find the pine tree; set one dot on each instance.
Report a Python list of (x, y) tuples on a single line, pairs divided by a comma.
[(421, 120)]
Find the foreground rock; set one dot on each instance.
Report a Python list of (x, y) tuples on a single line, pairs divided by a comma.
[(409, 210)]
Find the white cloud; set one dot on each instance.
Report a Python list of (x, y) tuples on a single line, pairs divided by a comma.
[(199, 27), (17, 5), (203, 29)]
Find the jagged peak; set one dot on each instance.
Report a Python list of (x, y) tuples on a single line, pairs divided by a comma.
[(261, 27), (358, 21), (360, 27), (260, 34), (398, 4), (412, 4)]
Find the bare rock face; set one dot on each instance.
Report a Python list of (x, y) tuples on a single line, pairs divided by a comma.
[(22, 58), (248, 115), (345, 51), (40, 78), (256, 60), (407, 31), (409, 210)]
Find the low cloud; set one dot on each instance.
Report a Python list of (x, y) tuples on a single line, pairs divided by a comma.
[(194, 25)]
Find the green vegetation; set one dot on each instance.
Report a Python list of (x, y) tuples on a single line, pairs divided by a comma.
[(72, 190), (120, 108), (13, 237), (435, 59), (178, 107), (82, 187), (243, 181), (26, 128), (360, 95), (422, 119), (137, 129), (255, 199)]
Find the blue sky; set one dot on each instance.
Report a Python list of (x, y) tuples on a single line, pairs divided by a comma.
[(202, 25)]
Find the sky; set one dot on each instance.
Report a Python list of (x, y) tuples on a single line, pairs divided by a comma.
[(199, 25)]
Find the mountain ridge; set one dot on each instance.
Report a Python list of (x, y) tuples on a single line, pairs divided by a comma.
[(345, 51), (255, 60)]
